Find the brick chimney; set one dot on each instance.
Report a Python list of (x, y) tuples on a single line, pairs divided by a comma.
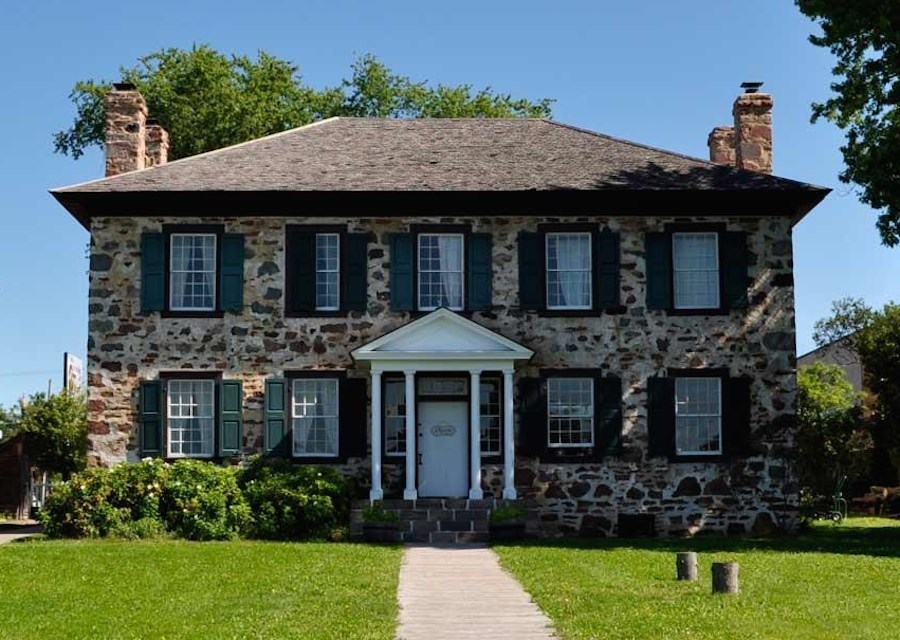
[(126, 129), (747, 145), (157, 142)]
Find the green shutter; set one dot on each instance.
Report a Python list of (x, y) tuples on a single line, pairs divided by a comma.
[(661, 417), (356, 272), (479, 272), (402, 272), (531, 271), (153, 272), (609, 413), (301, 271), (231, 418), (736, 416), (353, 410), (231, 274), (532, 416), (151, 418), (734, 260), (659, 270), (275, 431), (606, 269)]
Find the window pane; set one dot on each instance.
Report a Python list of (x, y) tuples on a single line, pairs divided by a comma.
[(191, 417), (568, 270), (698, 415), (327, 271), (695, 260), (192, 272), (490, 417), (570, 412), (440, 271), (315, 417), (395, 417)]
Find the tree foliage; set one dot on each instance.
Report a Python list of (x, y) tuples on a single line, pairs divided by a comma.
[(57, 431), (848, 316), (208, 100), (9, 422), (865, 39)]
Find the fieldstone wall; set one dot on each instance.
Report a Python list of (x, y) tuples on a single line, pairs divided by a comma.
[(126, 345)]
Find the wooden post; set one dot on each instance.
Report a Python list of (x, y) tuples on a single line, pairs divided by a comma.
[(725, 577), (686, 565)]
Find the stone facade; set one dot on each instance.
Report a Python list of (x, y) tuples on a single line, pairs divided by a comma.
[(126, 346)]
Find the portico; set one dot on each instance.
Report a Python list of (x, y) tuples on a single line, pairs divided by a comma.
[(444, 360)]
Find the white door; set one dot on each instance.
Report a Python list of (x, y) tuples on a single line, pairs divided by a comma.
[(442, 442)]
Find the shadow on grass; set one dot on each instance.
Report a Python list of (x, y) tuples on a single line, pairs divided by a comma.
[(839, 539)]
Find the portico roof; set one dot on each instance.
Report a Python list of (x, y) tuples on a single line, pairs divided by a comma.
[(442, 336)]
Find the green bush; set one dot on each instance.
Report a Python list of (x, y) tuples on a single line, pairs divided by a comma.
[(202, 501), (81, 507), (376, 513), (290, 502), (141, 529)]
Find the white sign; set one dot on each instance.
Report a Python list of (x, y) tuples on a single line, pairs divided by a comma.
[(73, 373)]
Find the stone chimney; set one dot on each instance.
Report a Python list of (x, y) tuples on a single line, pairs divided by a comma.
[(157, 141), (126, 129), (747, 145)]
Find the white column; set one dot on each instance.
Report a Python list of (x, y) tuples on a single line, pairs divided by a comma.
[(410, 493), (475, 492), (377, 493), (509, 445)]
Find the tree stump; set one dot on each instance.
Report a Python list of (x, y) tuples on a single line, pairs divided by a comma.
[(686, 565), (725, 577)]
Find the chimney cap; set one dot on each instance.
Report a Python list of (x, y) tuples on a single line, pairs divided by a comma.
[(124, 86), (751, 87)]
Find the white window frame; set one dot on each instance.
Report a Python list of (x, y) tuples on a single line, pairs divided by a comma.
[(295, 418), (589, 270), (398, 418), (170, 418), (420, 271), (485, 453), (592, 417), (172, 271), (337, 270), (718, 416), (676, 271)]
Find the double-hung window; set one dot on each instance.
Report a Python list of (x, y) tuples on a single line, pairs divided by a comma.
[(441, 271), (695, 265), (314, 411), (570, 412), (569, 282), (190, 416), (328, 271), (698, 416), (192, 272)]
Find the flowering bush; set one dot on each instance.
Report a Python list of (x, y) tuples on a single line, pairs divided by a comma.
[(202, 501)]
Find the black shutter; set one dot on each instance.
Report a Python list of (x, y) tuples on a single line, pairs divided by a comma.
[(402, 272), (151, 418), (352, 440), (531, 271), (479, 272), (661, 417), (356, 272), (736, 416), (275, 431), (231, 418), (659, 270), (606, 269), (532, 416), (231, 273), (734, 264), (301, 271), (153, 269), (609, 415)]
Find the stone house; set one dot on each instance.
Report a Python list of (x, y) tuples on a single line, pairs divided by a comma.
[(455, 312)]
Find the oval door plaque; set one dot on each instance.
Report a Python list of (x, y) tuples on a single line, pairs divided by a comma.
[(443, 430)]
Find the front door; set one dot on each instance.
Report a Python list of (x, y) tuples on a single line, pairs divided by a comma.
[(442, 443)]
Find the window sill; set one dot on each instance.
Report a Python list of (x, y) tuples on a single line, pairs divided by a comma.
[(317, 314), (699, 312), (573, 313), (192, 314)]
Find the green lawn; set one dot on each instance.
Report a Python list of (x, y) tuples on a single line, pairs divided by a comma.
[(838, 582), (108, 589)]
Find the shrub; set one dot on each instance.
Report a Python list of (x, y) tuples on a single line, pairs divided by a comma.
[(142, 529), (290, 502), (376, 513), (81, 507), (508, 513), (202, 501)]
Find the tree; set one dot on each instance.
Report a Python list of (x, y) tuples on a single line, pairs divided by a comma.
[(832, 440), (848, 317), (208, 100), (56, 428), (865, 39), (9, 422)]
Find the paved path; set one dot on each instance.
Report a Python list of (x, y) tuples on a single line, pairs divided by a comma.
[(19, 532), (461, 592)]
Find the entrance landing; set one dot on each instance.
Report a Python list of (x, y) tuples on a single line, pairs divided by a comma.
[(462, 592)]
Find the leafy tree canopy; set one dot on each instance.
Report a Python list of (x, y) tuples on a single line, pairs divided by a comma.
[(848, 316), (9, 422), (208, 100), (57, 431), (864, 36)]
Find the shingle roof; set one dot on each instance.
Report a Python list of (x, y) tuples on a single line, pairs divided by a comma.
[(374, 154)]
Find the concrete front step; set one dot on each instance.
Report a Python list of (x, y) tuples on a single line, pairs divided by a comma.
[(434, 520)]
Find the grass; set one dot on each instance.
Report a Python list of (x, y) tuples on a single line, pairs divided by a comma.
[(172, 589), (834, 582)]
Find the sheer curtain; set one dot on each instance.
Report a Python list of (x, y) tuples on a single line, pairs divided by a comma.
[(199, 272), (573, 257), (450, 252)]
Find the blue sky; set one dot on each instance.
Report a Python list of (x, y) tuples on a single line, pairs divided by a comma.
[(654, 71)]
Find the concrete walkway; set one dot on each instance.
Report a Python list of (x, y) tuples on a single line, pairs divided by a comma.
[(461, 592), (8, 534)]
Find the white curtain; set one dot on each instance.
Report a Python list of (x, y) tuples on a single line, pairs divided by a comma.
[(450, 251), (573, 258)]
